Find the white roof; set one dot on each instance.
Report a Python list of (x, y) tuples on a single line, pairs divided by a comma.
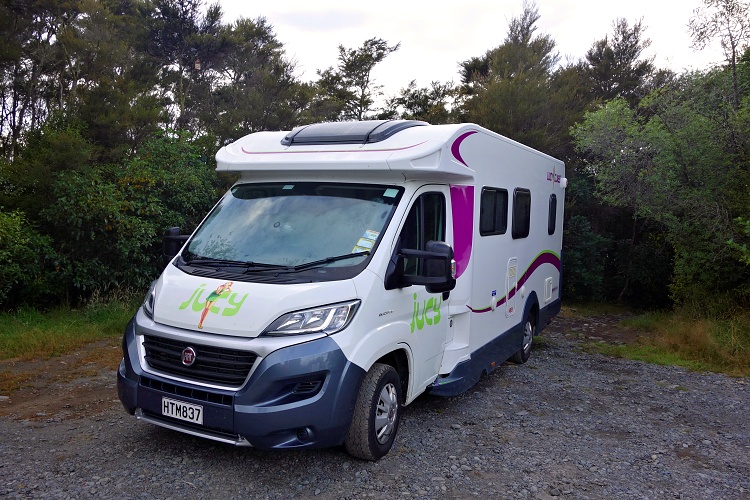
[(418, 148)]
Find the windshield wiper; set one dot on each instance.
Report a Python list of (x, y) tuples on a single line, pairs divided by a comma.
[(327, 260), (260, 266), (231, 263)]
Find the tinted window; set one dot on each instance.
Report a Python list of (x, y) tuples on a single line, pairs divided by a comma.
[(425, 222), (521, 212), (493, 215), (552, 219)]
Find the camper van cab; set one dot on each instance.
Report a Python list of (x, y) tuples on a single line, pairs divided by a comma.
[(351, 268)]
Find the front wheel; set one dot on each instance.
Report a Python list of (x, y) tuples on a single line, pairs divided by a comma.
[(529, 330), (376, 414)]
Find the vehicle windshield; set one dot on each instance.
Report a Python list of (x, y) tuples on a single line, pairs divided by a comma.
[(294, 224)]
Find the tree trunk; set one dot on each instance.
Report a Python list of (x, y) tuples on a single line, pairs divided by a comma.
[(630, 259)]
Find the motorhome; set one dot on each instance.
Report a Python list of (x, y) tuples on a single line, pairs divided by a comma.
[(352, 267)]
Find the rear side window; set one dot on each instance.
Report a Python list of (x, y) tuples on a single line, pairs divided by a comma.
[(493, 215), (552, 219), (521, 213)]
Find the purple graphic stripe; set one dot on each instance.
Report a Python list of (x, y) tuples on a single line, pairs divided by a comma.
[(542, 258), (456, 146), (462, 203), (248, 152), (545, 257)]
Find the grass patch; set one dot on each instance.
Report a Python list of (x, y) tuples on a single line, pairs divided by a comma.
[(648, 322), (648, 354), (678, 338), (30, 334), (10, 381), (543, 342), (590, 309)]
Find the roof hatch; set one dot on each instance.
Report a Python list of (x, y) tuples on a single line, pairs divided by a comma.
[(363, 132)]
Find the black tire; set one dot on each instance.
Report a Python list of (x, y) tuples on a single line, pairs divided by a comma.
[(529, 330), (376, 414)]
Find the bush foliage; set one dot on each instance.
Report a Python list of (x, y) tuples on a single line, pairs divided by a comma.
[(104, 225), (26, 259)]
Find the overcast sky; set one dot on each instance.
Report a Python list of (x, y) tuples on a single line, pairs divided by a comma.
[(436, 35)]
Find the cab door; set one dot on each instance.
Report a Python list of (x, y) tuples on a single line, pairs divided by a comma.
[(425, 314)]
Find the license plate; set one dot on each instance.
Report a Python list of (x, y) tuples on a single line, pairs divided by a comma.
[(183, 411)]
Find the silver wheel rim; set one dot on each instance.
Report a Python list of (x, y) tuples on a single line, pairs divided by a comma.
[(528, 336), (385, 413)]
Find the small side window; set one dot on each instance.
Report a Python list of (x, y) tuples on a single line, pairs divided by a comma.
[(425, 222), (552, 219), (493, 214), (521, 213)]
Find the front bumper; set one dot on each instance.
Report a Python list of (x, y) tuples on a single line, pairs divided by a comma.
[(298, 396)]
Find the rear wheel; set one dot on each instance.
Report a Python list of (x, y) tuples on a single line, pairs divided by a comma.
[(529, 330), (376, 414)]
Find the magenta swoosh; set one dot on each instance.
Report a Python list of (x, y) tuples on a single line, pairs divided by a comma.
[(545, 257), (456, 146), (462, 203), (247, 152)]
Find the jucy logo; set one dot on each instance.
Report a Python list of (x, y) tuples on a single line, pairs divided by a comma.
[(426, 312), (208, 305)]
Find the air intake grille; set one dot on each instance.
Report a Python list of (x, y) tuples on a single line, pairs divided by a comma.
[(214, 365)]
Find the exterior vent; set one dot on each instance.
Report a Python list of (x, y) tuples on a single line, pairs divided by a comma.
[(364, 132), (308, 387), (187, 392)]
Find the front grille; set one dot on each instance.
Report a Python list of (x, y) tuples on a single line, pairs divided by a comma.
[(187, 392), (214, 365)]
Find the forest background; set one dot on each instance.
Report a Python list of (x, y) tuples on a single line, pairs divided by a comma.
[(111, 112)]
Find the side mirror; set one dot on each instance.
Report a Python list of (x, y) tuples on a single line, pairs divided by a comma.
[(171, 243), (437, 268), (441, 266)]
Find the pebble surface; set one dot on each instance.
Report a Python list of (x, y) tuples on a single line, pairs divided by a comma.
[(566, 424)]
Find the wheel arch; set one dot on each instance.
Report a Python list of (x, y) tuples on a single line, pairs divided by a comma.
[(532, 306), (399, 360)]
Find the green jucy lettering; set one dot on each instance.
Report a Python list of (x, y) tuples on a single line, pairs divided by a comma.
[(197, 305), (426, 312)]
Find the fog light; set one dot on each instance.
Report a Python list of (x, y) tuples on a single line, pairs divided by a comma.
[(303, 435)]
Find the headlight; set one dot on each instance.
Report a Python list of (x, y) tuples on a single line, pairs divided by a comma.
[(148, 302), (328, 320)]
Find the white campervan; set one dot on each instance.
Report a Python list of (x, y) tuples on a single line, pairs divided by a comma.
[(351, 268)]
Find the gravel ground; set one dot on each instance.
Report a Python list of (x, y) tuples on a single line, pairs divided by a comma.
[(567, 423)]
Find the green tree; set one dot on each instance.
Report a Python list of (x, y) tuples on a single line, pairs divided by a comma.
[(728, 20), (31, 66), (112, 78), (24, 254), (168, 182), (584, 251), (254, 87), (80, 61), (107, 222), (742, 250), (615, 66), (185, 42), (349, 91), (517, 90), (674, 162), (58, 146), (432, 104)]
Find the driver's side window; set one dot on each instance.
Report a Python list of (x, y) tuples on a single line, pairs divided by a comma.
[(425, 222)]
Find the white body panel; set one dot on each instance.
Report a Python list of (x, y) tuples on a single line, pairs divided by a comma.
[(436, 333)]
